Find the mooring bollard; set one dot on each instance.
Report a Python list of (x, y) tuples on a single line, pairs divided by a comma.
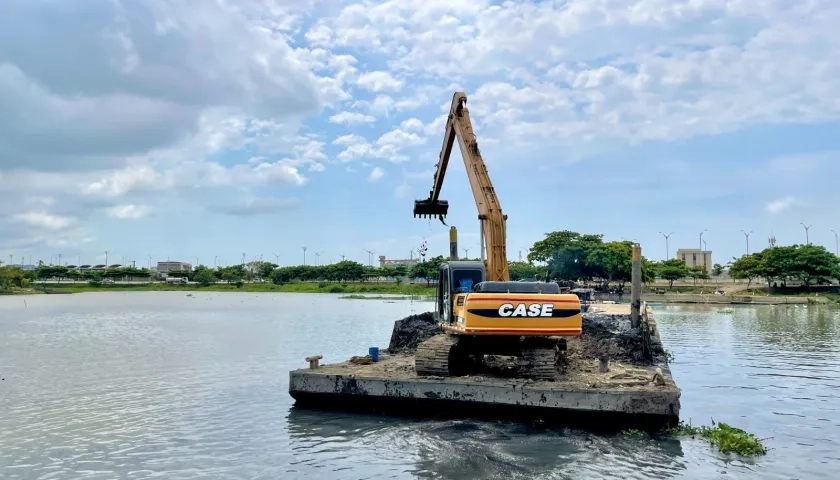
[(313, 361)]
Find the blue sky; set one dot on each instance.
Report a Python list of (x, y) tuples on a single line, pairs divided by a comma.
[(201, 129)]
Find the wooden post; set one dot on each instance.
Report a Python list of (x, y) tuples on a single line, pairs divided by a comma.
[(636, 287)]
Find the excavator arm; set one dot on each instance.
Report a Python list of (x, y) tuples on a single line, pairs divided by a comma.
[(490, 214)]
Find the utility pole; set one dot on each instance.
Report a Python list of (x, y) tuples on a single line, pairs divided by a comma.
[(747, 236), (466, 252), (79, 260), (304, 255), (277, 258), (807, 227), (836, 249), (667, 251), (370, 256)]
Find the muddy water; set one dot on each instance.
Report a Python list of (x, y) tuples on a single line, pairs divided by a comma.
[(158, 384)]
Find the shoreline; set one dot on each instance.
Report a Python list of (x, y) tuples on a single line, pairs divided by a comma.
[(374, 291)]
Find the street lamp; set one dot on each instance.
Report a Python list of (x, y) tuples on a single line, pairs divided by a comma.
[(701, 238), (304, 255), (747, 235), (836, 249), (667, 252), (370, 256), (807, 227)]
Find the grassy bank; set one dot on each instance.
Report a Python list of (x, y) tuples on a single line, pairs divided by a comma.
[(300, 287)]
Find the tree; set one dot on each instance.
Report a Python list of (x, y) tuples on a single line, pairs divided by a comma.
[(204, 277), (698, 272), (717, 270), (673, 269), (746, 268), (525, 271)]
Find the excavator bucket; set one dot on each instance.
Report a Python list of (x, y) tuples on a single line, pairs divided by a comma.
[(431, 208)]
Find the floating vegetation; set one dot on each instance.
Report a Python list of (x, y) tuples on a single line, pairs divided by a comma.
[(729, 439), (726, 311), (634, 433)]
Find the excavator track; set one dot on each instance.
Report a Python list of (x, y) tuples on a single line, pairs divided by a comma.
[(433, 356), (537, 362)]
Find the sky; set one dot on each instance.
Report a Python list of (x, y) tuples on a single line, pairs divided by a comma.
[(205, 130)]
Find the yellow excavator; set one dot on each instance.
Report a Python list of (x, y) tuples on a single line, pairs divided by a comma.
[(481, 311)]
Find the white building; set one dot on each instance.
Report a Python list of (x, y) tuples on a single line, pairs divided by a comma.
[(166, 267), (694, 257)]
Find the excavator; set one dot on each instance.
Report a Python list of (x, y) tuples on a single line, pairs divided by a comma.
[(480, 310)]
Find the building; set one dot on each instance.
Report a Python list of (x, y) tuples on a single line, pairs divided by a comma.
[(166, 267), (694, 257), (383, 262)]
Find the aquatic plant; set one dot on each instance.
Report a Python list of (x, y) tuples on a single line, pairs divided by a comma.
[(634, 433), (729, 439)]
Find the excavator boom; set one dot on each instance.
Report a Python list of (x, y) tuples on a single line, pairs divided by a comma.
[(458, 126)]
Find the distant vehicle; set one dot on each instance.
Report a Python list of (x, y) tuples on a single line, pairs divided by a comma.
[(176, 280)]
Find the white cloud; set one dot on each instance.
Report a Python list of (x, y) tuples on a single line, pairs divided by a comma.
[(379, 81), (44, 220), (348, 118), (375, 175), (783, 204), (129, 211)]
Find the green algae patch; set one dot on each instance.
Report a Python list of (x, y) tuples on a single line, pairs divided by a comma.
[(728, 439)]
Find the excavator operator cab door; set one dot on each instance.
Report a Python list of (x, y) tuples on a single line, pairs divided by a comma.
[(444, 295)]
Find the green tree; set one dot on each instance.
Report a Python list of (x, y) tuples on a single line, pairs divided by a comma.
[(525, 271), (717, 270), (698, 272), (204, 277), (673, 269), (746, 268)]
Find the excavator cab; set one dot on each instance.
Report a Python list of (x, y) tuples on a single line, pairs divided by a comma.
[(455, 280)]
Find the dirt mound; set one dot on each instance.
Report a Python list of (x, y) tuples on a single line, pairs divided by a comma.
[(411, 331), (611, 335)]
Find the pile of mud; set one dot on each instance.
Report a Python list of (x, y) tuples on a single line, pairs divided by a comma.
[(612, 336), (604, 335), (411, 331)]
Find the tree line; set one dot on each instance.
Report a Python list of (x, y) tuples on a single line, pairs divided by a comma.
[(563, 256)]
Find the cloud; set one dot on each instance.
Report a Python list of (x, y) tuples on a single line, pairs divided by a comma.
[(376, 175), (129, 211), (259, 206), (348, 118), (783, 204), (117, 108)]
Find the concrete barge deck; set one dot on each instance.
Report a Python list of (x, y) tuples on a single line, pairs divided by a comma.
[(625, 396)]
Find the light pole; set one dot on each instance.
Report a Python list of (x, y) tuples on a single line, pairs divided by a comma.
[(317, 258), (215, 262), (304, 255), (807, 227), (277, 258), (370, 256), (747, 236), (106, 258), (701, 238), (836, 249), (667, 251)]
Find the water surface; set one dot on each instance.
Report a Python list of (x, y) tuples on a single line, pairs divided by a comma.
[(162, 385)]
